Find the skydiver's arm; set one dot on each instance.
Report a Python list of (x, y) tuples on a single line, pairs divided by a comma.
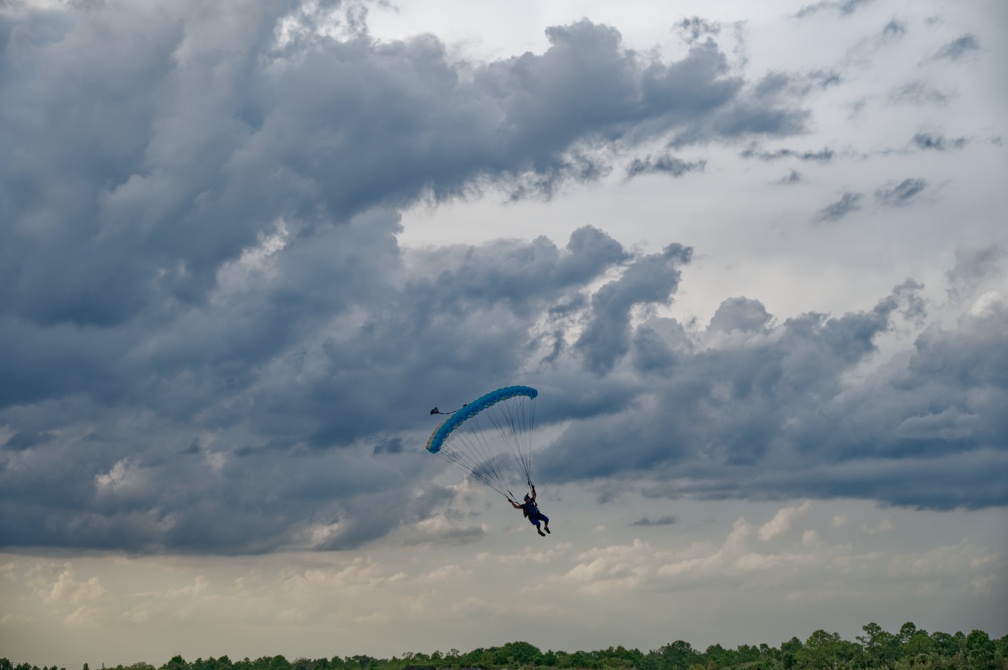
[(514, 504), (533, 492)]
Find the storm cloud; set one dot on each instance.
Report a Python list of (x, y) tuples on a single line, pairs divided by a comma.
[(759, 409), (213, 340)]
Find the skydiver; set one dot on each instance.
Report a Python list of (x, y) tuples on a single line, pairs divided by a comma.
[(531, 510)]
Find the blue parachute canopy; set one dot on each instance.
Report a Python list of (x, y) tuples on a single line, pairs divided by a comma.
[(438, 437), (478, 437)]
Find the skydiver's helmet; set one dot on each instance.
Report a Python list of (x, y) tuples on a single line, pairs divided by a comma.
[(527, 497)]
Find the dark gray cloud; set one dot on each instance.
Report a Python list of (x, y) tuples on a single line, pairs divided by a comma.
[(824, 155), (792, 177), (958, 48), (938, 141), (650, 279), (212, 340), (918, 93), (666, 520), (893, 30), (766, 410), (664, 164), (23, 440), (867, 50), (393, 445), (163, 173), (695, 28), (900, 194), (794, 83), (741, 314), (275, 412), (842, 7), (849, 202)]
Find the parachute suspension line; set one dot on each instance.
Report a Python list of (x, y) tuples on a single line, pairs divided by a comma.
[(478, 447), (514, 425), (453, 457), (470, 450), (528, 442)]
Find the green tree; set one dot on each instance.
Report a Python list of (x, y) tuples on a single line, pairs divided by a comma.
[(679, 655), (176, 663), (518, 653), (944, 644), (790, 651), (1001, 645), (919, 645), (826, 650), (718, 656), (980, 651), (882, 648)]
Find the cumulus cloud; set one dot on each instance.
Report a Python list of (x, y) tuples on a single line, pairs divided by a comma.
[(181, 173), (214, 342), (739, 314), (650, 279), (782, 521), (741, 406), (231, 297)]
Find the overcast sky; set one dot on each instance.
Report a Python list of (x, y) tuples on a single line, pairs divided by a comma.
[(754, 256)]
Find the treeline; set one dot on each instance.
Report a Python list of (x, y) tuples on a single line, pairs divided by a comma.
[(909, 649)]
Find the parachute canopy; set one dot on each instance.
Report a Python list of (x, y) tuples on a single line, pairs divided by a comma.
[(483, 436)]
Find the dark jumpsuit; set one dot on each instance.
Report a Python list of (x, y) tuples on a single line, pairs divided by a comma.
[(531, 510)]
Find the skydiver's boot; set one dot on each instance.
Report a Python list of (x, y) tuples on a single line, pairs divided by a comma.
[(546, 528), (539, 530)]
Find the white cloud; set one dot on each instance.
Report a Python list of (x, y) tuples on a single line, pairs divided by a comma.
[(783, 520), (988, 305), (883, 526), (124, 476), (67, 589)]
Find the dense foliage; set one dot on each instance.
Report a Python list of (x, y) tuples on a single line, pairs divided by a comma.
[(909, 649)]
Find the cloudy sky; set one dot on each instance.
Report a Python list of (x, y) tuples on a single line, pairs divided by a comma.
[(754, 256)]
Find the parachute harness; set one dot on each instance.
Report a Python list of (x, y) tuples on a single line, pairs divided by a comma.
[(478, 437)]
